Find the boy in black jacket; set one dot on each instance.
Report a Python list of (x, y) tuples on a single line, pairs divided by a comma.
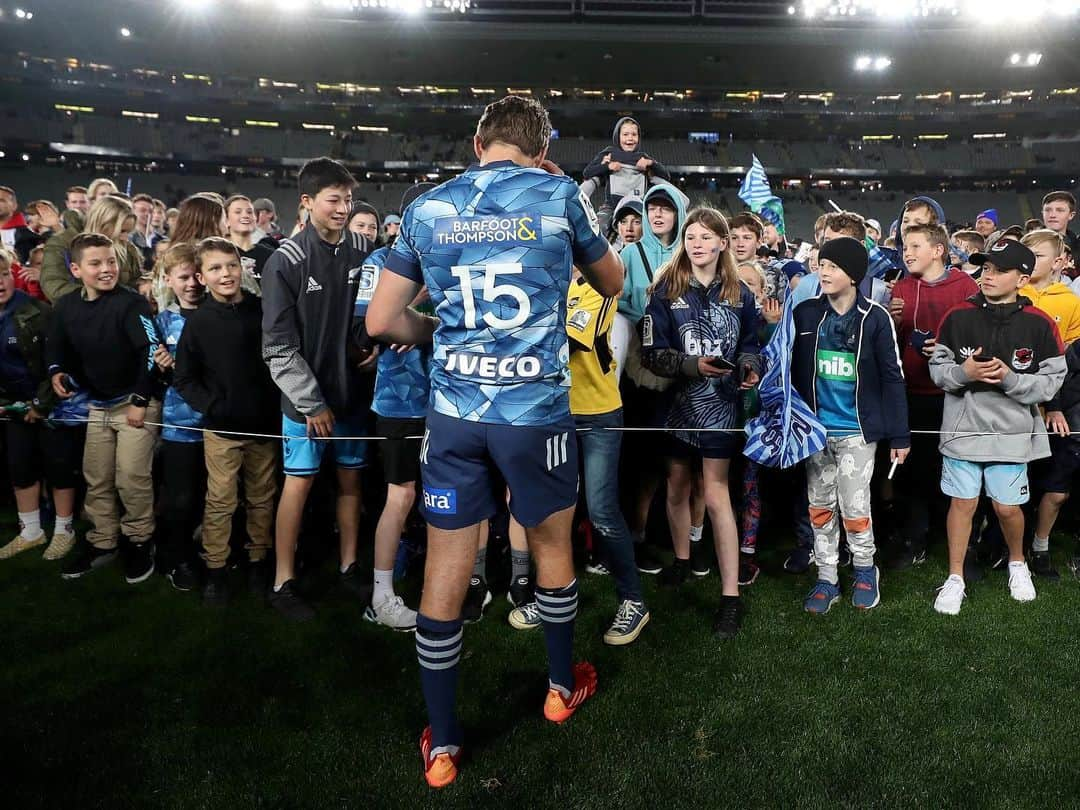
[(846, 366), (103, 341), (219, 372), (309, 290)]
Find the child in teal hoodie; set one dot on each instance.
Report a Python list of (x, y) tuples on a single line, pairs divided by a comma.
[(659, 237)]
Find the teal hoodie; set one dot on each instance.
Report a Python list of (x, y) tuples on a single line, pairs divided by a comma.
[(636, 283)]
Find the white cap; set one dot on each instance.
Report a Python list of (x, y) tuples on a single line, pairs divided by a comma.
[(873, 223)]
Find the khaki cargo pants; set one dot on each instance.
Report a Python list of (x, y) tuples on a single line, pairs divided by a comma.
[(226, 459), (117, 462)]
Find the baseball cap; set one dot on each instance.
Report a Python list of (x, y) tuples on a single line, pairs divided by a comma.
[(263, 204), (873, 223), (1007, 255)]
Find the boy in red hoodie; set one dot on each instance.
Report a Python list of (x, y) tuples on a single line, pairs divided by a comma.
[(919, 302)]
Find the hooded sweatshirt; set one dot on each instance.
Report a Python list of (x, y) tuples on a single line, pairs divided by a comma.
[(924, 307), (644, 262), (997, 423), (939, 212), (629, 179), (1061, 304)]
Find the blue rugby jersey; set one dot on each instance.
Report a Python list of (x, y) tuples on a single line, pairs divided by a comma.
[(496, 246), (401, 380)]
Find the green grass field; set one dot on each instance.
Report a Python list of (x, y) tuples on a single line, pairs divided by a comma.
[(117, 696)]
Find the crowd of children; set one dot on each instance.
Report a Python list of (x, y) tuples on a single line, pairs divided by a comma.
[(163, 370)]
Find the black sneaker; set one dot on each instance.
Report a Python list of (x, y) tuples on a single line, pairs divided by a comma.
[(973, 570), (477, 598), (909, 556), (700, 558), (799, 560), (357, 584), (288, 603), (521, 592), (139, 563), (646, 560), (85, 560), (729, 617), (675, 574), (1041, 566), (258, 578), (183, 577), (748, 569), (216, 589)]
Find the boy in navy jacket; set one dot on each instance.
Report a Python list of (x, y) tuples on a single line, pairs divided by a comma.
[(845, 365)]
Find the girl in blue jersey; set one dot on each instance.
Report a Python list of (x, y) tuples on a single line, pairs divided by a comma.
[(700, 328), (183, 467)]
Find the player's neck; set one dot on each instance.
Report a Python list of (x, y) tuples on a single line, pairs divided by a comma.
[(499, 152)]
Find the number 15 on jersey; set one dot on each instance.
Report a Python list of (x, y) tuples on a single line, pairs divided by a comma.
[(483, 281)]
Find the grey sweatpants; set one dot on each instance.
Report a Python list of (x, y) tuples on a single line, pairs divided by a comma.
[(838, 480)]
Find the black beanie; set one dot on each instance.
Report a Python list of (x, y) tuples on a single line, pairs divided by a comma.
[(849, 255)]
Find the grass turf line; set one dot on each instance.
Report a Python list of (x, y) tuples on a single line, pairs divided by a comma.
[(121, 696)]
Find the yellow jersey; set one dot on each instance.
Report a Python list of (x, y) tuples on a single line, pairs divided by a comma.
[(594, 382)]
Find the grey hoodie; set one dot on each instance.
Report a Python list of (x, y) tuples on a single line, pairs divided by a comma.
[(629, 179)]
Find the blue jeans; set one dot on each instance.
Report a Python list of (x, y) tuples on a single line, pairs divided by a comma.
[(600, 458)]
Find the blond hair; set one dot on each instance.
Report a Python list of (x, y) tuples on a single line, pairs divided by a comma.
[(108, 216), (1042, 236)]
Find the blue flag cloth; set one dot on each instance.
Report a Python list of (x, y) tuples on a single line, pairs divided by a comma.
[(755, 190), (772, 212), (786, 431), (882, 260)]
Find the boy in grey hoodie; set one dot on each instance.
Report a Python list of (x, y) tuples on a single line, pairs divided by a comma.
[(997, 358), (626, 168)]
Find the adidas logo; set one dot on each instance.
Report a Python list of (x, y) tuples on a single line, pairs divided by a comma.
[(313, 285)]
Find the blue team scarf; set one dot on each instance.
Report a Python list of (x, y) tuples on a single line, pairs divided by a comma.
[(786, 431)]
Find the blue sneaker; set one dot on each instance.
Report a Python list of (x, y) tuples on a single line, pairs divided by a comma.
[(866, 592), (821, 597)]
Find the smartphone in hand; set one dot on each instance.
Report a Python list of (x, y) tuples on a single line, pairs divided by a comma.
[(720, 363)]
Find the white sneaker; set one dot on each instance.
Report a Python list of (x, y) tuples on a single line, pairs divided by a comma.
[(1020, 584), (950, 596), (391, 612)]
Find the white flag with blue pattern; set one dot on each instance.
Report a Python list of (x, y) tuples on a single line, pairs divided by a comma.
[(755, 190), (786, 431)]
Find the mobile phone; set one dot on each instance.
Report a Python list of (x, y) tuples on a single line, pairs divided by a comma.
[(720, 362), (893, 274), (983, 358)]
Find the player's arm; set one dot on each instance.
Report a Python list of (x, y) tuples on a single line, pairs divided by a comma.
[(605, 274), (389, 316)]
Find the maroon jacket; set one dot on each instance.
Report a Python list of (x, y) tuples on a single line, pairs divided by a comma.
[(924, 307)]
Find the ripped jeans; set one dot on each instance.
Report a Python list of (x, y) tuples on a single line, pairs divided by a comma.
[(838, 480), (599, 452)]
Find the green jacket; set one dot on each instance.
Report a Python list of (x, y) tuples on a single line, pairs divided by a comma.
[(56, 279), (32, 319)]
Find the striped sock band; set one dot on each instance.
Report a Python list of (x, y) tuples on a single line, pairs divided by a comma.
[(558, 609), (438, 649)]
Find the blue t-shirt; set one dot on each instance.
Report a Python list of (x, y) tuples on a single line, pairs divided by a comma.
[(401, 380), (496, 246), (170, 323), (838, 337)]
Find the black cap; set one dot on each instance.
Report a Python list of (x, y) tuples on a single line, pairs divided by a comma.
[(1007, 254), (849, 255)]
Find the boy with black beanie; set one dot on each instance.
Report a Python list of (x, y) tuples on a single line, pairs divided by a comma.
[(845, 366)]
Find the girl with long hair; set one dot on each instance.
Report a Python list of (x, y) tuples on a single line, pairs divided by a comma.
[(201, 216), (700, 329)]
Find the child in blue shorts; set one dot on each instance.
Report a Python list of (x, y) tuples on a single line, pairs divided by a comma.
[(997, 358)]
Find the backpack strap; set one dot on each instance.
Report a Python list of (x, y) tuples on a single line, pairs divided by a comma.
[(645, 261)]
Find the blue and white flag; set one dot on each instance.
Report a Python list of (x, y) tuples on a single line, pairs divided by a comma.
[(786, 431), (755, 190)]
